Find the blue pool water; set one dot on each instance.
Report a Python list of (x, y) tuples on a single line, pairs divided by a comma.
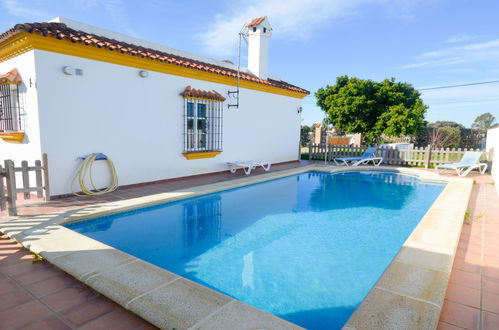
[(307, 248)]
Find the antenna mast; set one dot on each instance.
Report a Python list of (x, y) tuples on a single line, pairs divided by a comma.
[(242, 35)]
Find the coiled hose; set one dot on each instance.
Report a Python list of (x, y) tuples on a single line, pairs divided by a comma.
[(86, 168)]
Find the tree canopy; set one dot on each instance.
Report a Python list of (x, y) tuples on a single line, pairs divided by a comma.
[(483, 122), (372, 108), (305, 134), (445, 123)]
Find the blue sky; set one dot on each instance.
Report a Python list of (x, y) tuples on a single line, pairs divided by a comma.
[(423, 42)]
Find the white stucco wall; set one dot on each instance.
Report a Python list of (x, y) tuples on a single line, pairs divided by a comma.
[(30, 149), (493, 149), (138, 122)]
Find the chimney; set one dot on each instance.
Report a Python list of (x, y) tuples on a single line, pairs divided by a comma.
[(259, 33)]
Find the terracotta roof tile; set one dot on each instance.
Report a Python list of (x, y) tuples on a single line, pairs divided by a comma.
[(213, 95), (11, 77), (62, 32), (256, 21)]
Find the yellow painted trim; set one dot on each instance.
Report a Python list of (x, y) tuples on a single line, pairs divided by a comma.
[(10, 83), (201, 98), (23, 42), (12, 137), (199, 155), (15, 46)]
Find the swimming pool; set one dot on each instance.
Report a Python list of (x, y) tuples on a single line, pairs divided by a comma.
[(307, 248)]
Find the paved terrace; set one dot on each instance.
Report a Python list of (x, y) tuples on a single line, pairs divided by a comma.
[(37, 295)]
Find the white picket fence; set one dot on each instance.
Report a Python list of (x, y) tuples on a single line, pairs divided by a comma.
[(427, 157), (9, 187)]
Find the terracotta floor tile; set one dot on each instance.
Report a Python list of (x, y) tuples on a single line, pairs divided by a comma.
[(24, 267), (69, 297), (463, 295), (118, 319), (467, 266), (15, 258), (5, 252), (36, 275), (491, 242), (7, 285), (493, 261), (7, 241), (470, 247), (463, 254), (490, 271), (490, 321), (24, 314), (460, 315), (492, 228), (52, 323), (491, 251), (52, 285), (9, 246), (491, 302), (491, 285), (88, 311), (447, 326), (16, 296), (467, 279)]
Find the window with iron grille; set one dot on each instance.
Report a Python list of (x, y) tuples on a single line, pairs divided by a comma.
[(11, 119), (202, 125)]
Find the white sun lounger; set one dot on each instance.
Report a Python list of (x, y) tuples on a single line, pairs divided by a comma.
[(367, 156), (469, 162), (247, 166)]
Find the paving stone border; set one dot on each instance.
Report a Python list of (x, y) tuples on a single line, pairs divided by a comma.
[(409, 294)]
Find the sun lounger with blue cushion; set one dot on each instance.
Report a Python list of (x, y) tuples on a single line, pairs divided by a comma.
[(367, 156), (469, 162)]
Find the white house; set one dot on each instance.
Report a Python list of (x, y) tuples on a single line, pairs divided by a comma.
[(69, 89), (493, 149)]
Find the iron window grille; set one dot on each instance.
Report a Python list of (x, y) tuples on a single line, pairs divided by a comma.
[(202, 125), (11, 113)]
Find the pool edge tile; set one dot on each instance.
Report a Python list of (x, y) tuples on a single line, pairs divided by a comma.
[(180, 304), (386, 310), (129, 281), (414, 282), (238, 315)]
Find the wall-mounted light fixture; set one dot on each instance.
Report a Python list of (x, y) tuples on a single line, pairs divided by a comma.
[(68, 70), (299, 110), (143, 73)]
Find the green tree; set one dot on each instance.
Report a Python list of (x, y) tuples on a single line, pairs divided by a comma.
[(483, 122), (305, 134), (372, 108), (445, 123)]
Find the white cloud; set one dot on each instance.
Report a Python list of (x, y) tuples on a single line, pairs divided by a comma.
[(469, 53), (439, 62), (461, 37), (289, 19), (460, 96), (462, 103), (31, 11), (23, 10), (115, 9)]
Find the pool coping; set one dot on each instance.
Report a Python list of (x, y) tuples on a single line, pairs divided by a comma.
[(409, 294)]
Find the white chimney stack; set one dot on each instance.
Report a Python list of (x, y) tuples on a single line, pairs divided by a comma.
[(259, 33)]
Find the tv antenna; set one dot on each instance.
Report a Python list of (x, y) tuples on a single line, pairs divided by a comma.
[(243, 34)]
